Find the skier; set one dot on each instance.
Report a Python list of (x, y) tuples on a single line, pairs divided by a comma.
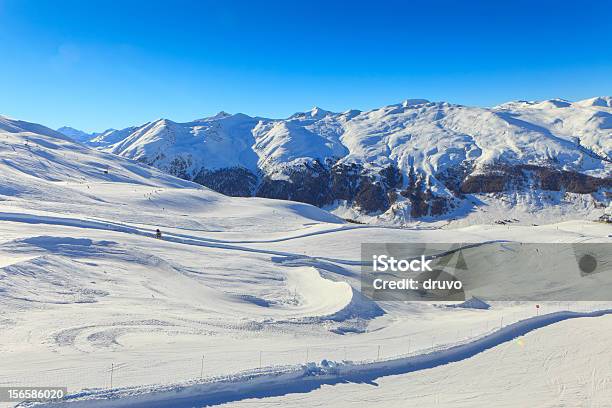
[(158, 234)]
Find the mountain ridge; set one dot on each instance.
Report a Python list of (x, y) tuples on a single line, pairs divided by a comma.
[(412, 160)]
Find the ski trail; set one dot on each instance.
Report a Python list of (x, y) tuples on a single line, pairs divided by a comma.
[(198, 241), (122, 227), (168, 237), (278, 381)]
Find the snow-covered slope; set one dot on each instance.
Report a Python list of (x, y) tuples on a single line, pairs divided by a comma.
[(545, 368), (585, 123), (87, 293), (76, 134), (9, 125), (110, 136), (36, 158), (219, 142), (41, 169), (417, 160)]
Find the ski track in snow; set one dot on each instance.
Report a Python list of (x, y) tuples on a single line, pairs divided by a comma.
[(177, 238), (278, 381)]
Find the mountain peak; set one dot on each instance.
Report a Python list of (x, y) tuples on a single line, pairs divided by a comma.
[(76, 134), (221, 115), (217, 116), (414, 102), (316, 112), (163, 122), (600, 101)]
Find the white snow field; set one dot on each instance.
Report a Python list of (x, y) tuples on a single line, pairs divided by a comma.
[(252, 298), (545, 368)]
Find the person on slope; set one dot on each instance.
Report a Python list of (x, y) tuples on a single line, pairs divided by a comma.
[(158, 234)]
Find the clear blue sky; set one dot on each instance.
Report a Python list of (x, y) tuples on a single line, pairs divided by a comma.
[(100, 64)]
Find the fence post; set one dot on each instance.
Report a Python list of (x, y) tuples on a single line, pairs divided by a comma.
[(378, 356), (260, 359), (202, 368), (111, 374)]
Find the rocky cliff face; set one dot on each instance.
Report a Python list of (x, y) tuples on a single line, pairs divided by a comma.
[(521, 177), (412, 161), (233, 181)]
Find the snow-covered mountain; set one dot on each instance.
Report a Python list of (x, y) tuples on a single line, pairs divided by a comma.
[(46, 172), (76, 134), (417, 160), (39, 160)]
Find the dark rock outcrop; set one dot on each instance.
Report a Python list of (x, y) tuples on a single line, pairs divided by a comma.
[(307, 183), (234, 181), (371, 198), (504, 178), (373, 192)]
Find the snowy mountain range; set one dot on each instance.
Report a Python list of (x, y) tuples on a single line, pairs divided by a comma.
[(417, 160), (275, 284)]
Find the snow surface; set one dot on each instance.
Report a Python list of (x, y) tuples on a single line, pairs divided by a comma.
[(240, 284), (287, 381)]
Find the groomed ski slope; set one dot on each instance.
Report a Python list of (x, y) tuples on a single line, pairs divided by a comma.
[(563, 365), (273, 382)]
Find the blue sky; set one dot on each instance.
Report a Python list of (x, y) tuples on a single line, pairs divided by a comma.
[(100, 64)]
